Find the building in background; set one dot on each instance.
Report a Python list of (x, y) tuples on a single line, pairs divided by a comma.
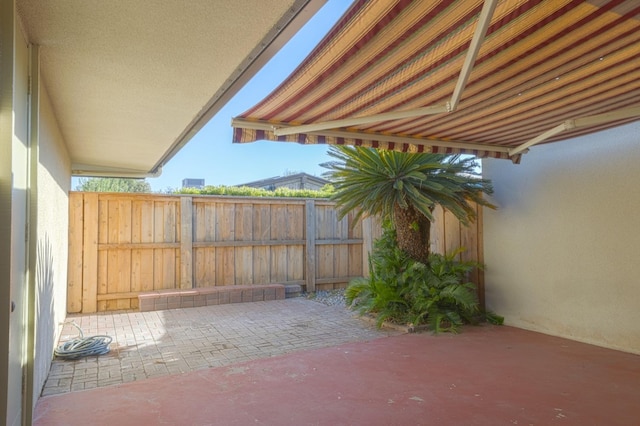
[(293, 181), (193, 183)]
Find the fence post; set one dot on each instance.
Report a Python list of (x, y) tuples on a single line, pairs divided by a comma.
[(310, 247), (186, 242)]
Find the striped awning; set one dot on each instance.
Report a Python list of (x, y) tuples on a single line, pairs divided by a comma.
[(488, 78)]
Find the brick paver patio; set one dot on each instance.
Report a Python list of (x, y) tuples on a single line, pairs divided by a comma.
[(159, 343)]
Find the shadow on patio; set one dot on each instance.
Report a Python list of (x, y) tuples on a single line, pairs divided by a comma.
[(487, 375)]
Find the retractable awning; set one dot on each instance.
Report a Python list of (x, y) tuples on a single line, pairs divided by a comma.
[(488, 78)]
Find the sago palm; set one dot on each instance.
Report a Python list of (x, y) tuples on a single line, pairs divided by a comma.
[(406, 187)]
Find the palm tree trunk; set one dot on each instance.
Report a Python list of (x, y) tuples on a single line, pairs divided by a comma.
[(413, 232)]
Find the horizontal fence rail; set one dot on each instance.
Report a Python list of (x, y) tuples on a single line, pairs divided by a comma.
[(122, 245)]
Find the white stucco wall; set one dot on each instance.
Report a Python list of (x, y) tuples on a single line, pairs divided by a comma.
[(563, 249), (53, 184), (14, 196)]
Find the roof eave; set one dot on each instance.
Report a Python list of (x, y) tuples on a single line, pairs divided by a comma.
[(279, 35)]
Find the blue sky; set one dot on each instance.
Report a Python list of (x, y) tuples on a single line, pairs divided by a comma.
[(210, 155)]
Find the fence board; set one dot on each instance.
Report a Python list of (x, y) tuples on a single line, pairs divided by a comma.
[(124, 278), (200, 222), (261, 222), (355, 232), (243, 255), (136, 222), (225, 225), (278, 264), (90, 253), (451, 233), (200, 278), (103, 220), (225, 266), (278, 222), (102, 279), (171, 223), (341, 259), (209, 222), (243, 265), (295, 263), (355, 260), (157, 269), (146, 270), (124, 244), (136, 270), (261, 264), (74, 275), (205, 266), (158, 221), (324, 261), (310, 246), (124, 256), (437, 231), (295, 222), (168, 268), (186, 243)]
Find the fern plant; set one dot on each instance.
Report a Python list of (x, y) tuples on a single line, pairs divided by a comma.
[(373, 295), (441, 295), (402, 290)]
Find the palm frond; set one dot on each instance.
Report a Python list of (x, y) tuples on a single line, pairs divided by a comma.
[(377, 180)]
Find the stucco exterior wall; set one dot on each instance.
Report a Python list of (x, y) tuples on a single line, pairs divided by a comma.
[(14, 197), (53, 185), (562, 250)]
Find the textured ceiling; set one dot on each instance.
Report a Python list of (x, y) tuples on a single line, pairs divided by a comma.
[(132, 81)]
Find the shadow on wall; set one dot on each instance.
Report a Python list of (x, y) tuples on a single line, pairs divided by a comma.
[(45, 328)]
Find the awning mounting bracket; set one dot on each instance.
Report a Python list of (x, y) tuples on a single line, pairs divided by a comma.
[(577, 123)]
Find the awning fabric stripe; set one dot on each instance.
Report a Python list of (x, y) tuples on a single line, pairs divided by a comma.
[(540, 63)]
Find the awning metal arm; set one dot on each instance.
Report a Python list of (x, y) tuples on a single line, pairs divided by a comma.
[(546, 135), (476, 42), (336, 124), (577, 123)]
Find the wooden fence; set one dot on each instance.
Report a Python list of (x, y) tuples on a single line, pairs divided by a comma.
[(123, 244)]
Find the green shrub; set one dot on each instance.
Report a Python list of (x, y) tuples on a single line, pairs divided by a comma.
[(245, 191), (405, 291), (493, 318)]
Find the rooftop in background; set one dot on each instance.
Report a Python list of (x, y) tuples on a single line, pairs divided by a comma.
[(193, 183), (294, 181)]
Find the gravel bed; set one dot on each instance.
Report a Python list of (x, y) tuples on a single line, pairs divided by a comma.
[(327, 297), (336, 298)]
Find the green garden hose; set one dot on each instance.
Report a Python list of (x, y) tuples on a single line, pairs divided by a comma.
[(81, 346)]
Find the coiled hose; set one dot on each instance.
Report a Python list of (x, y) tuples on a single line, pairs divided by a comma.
[(81, 346)]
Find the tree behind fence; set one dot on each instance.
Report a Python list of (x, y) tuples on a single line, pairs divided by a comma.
[(121, 245)]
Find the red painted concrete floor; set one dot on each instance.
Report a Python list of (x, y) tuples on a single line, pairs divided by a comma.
[(485, 376)]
